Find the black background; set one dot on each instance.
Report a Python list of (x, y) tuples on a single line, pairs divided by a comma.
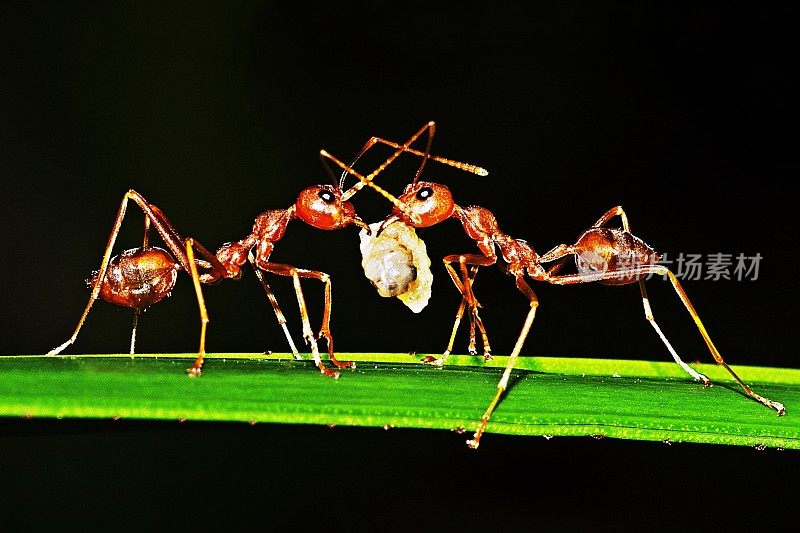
[(684, 115)]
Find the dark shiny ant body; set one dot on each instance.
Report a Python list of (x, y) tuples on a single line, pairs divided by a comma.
[(608, 256)]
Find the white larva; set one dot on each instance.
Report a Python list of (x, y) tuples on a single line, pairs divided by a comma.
[(396, 262)]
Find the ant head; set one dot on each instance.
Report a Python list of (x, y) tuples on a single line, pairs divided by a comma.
[(321, 206), (430, 202)]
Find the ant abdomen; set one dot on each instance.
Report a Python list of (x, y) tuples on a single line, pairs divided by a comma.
[(138, 277), (606, 250)]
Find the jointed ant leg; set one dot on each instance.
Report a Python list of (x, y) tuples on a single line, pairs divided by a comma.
[(503, 383), (557, 266), (611, 213), (101, 274), (274, 302), (196, 368), (439, 361), (638, 272), (563, 250), (325, 328), (311, 339), (464, 284), (153, 215), (648, 314), (460, 313), (474, 317), (137, 311)]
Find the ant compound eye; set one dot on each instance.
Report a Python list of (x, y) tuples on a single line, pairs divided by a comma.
[(424, 193), (326, 196)]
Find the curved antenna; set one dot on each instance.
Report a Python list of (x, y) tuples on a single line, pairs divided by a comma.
[(431, 130), (372, 142), (369, 144), (367, 180), (474, 169), (329, 170)]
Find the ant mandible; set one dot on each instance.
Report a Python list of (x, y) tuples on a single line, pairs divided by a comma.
[(143, 276), (609, 256)]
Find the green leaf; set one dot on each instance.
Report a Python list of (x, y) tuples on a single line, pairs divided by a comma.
[(547, 397)]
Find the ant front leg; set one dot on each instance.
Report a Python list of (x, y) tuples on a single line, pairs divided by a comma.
[(464, 285), (308, 334), (275, 307), (440, 361)]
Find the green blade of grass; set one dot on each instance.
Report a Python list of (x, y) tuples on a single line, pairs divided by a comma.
[(548, 396)]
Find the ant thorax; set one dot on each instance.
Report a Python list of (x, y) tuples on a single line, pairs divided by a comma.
[(396, 262)]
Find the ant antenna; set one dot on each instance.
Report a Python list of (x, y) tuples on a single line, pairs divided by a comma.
[(329, 170), (474, 169), (369, 144), (431, 130), (368, 181), (372, 142)]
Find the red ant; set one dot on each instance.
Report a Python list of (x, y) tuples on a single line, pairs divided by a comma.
[(609, 256), (143, 276)]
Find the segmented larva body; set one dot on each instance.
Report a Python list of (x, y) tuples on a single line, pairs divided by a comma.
[(396, 262)]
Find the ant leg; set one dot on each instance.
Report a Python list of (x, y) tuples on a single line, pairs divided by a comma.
[(611, 213), (308, 334), (213, 268), (439, 361), (325, 329), (274, 302), (563, 250), (648, 314), (503, 383), (559, 264), (137, 311), (558, 252), (474, 318), (196, 368), (466, 300), (638, 272), (154, 216), (465, 287), (713, 349), (101, 274)]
